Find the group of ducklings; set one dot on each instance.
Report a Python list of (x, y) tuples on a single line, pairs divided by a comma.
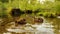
[(24, 21)]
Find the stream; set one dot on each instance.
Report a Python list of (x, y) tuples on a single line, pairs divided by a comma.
[(50, 26)]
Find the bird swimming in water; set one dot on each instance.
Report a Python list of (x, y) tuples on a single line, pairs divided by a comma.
[(38, 20), (21, 22)]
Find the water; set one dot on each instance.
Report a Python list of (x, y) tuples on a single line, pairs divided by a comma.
[(56, 23), (50, 26)]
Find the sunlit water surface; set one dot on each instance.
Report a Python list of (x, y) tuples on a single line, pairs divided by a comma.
[(50, 26)]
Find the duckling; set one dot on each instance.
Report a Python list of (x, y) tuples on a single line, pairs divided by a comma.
[(38, 20), (21, 22)]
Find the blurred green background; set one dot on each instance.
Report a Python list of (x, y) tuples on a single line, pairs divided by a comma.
[(46, 8)]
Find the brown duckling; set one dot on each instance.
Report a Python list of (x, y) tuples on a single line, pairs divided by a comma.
[(38, 20), (21, 22)]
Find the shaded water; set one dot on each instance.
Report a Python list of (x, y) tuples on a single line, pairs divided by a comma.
[(56, 23), (50, 26)]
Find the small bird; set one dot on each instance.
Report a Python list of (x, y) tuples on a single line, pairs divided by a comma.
[(21, 22), (38, 20)]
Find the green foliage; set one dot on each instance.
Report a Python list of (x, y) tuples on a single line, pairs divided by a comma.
[(57, 6), (45, 9), (4, 1)]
